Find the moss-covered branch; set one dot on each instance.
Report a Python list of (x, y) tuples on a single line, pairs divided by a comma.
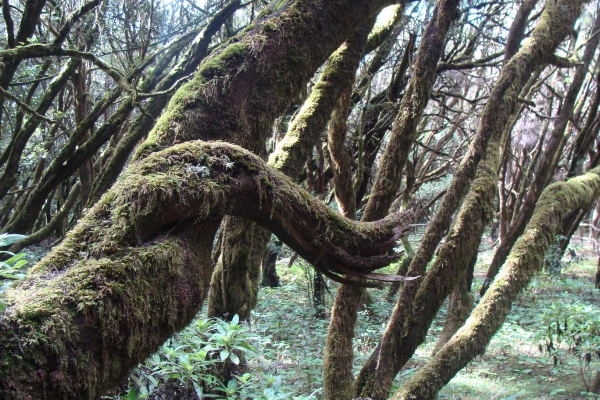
[(544, 169), (145, 121), (47, 230), (527, 257), (404, 131), (293, 150), (235, 279), (89, 311)]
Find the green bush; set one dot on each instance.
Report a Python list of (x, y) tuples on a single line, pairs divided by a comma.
[(11, 267), (187, 366), (574, 328)]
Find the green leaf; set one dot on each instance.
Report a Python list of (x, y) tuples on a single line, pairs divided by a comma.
[(2, 306), (132, 394), (9, 276), (234, 358), (199, 390), (19, 264), (6, 239), (15, 258), (137, 381), (224, 354)]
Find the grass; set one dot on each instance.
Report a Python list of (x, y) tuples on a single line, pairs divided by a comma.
[(292, 339)]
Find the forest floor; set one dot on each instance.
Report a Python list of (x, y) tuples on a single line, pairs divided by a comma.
[(516, 364), (289, 340)]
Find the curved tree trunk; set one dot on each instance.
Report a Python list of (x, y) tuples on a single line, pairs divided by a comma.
[(235, 281), (145, 121), (89, 312), (111, 316)]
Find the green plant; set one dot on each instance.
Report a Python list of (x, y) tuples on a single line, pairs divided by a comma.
[(188, 365), (574, 328), (553, 263), (10, 269)]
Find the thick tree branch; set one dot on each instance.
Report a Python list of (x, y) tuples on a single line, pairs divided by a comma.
[(75, 309)]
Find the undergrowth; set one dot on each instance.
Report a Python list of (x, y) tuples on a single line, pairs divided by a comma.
[(547, 349)]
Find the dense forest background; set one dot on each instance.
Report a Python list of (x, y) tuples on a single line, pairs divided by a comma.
[(221, 190)]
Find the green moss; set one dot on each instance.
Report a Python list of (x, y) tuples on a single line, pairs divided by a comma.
[(269, 26), (219, 64)]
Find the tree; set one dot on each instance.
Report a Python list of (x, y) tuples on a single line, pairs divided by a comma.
[(89, 311)]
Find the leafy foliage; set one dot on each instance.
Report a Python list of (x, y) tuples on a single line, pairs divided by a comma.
[(189, 364), (572, 327), (10, 269)]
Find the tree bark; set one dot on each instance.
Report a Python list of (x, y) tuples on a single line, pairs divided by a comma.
[(235, 280), (543, 172), (47, 230), (145, 121), (269, 272), (597, 280), (348, 299)]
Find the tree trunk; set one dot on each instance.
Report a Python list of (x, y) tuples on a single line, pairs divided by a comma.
[(269, 272), (234, 284), (417, 306), (235, 280), (89, 311), (338, 353), (235, 96), (597, 280), (460, 305), (544, 172), (526, 258)]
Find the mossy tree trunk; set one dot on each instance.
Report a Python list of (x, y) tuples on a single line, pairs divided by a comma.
[(543, 171), (526, 258), (460, 305), (597, 280), (420, 300), (73, 154), (90, 310), (268, 266), (338, 353)]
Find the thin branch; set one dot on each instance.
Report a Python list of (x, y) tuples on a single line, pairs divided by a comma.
[(24, 106)]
